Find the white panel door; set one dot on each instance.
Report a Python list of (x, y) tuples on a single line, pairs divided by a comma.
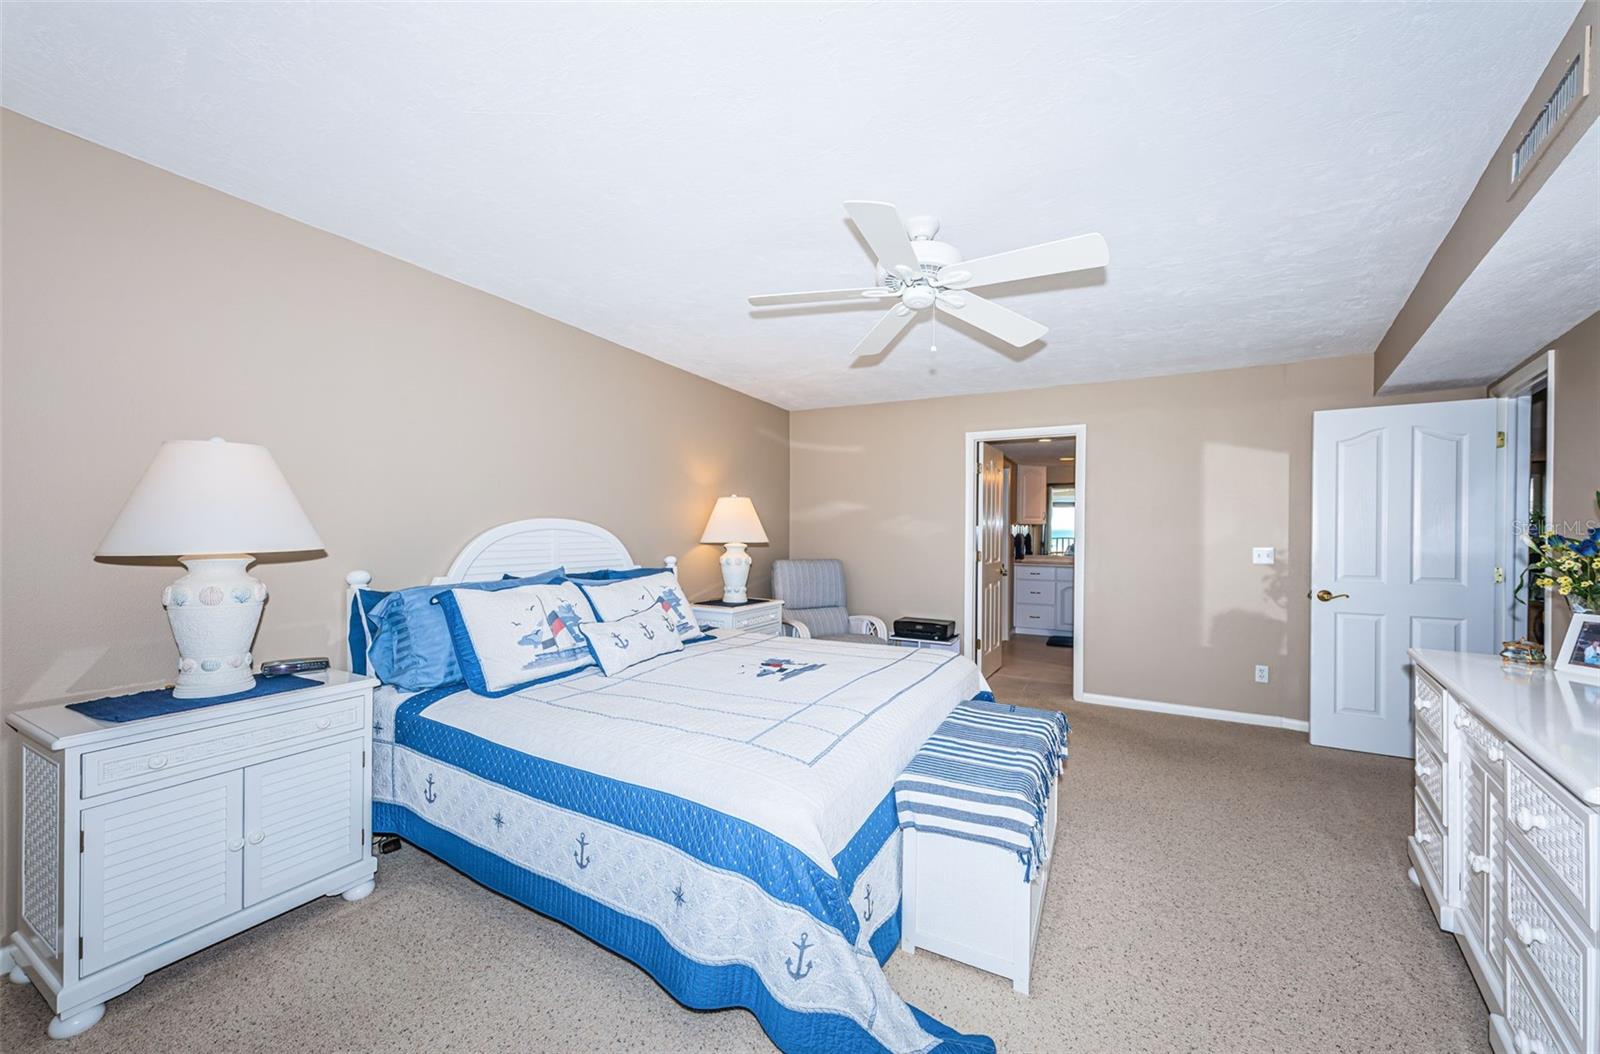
[(304, 816), (1402, 556), (158, 866), (993, 537)]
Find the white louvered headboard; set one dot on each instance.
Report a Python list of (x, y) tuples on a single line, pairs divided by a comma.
[(527, 547)]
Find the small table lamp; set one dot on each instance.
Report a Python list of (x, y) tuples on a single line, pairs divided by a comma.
[(734, 524), (212, 504)]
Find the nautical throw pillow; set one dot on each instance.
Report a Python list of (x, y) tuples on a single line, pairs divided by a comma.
[(620, 643), (508, 639), (628, 596)]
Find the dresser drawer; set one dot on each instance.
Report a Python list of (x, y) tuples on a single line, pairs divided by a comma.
[(1427, 699), (156, 759), (756, 619), (1554, 829), (1036, 616), (1429, 769), (1035, 593), (1476, 735), (1551, 949), (1430, 842), (1035, 573), (1530, 1023)]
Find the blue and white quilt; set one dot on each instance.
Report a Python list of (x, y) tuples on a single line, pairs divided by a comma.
[(724, 816)]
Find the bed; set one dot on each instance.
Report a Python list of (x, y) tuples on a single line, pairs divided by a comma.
[(722, 816)]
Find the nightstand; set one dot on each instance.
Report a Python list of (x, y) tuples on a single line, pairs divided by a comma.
[(953, 645), (250, 808), (753, 616)]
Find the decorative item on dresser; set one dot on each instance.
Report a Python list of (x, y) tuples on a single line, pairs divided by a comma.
[(734, 524), (1506, 842), (211, 504), (144, 841), (755, 615)]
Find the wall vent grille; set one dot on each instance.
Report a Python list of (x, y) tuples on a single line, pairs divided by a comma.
[(1570, 91)]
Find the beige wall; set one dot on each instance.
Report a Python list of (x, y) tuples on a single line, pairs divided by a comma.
[(1182, 477), (1575, 451), (409, 412), (1492, 207)]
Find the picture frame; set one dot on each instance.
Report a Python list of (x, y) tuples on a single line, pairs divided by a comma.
[(1580, 650)]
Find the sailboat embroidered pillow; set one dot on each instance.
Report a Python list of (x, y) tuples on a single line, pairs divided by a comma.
[(508, 639), (626, 642)]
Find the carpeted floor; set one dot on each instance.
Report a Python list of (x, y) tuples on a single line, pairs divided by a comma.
[(1220, 888)]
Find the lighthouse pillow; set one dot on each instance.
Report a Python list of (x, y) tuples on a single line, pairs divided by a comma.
[(508, 639), (629, 596)]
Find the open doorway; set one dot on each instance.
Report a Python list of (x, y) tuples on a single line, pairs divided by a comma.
[(1025, 553), (1524, 499)]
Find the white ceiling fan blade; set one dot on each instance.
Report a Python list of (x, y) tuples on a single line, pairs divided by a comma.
[(890, 326), (1058, 257), (817, 297), (1000, 321), (880, 224)]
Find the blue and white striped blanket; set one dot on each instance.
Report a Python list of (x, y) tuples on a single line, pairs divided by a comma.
[(985, 775)]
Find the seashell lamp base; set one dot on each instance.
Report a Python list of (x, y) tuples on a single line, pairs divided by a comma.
[(214, 611)]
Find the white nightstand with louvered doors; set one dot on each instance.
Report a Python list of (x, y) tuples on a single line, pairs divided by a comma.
[(144, 841)]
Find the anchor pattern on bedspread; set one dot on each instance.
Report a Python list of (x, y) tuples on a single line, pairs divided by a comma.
[(797, 966)]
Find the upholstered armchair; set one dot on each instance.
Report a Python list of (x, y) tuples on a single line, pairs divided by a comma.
[(812, 592)]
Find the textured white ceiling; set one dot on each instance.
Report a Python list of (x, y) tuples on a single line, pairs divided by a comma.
[(1272, 178), (1541, 278)]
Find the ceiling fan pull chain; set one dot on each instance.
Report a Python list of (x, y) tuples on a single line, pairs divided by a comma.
[(933, 341)]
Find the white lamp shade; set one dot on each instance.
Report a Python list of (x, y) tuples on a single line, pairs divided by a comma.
[(734, 519), (201, 497)]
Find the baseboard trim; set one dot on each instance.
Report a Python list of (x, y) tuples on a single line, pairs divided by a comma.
[(1207, 712)]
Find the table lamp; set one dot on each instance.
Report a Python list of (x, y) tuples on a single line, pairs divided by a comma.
[(212, 504), (734, 524)]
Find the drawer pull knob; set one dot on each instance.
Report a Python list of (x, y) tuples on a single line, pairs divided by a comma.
[(158, 761), (324, 722), (1462, 721), (235, 844), (256, 837), (1495, 753), (1423, 771), (1530, 934), (1479, 864), (1530, 821), (1526, 1044), (1422, 702), (1423, 838)]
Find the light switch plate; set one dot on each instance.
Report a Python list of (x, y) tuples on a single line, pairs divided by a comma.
[(1262, 555), (1261, 675)]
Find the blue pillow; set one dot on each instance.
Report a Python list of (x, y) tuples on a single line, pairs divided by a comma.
[(614, 575), (411, 646), (362, 627)]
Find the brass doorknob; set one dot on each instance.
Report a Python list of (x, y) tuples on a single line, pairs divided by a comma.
[(1325, 596)]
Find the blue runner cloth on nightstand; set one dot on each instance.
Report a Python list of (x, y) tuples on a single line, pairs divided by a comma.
[(159, 701)]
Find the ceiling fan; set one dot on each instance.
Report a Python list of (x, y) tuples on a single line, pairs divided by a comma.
[(922, 273)]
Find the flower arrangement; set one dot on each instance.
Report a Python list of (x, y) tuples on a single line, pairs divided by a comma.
[(1570, 566)]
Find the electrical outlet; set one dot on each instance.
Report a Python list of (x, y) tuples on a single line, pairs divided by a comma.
[(1262, 555), (1261, 674)]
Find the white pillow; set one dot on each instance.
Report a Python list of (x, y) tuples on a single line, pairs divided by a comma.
[(620, 643), (508, 639), (628, 596)]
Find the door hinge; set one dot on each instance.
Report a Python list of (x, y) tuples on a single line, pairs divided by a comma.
[(363, 759), (80, 841), (1499, 440), (80, 947), (1499, 575)]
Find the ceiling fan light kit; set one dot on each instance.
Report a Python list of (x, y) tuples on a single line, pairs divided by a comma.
[(923, 274)]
